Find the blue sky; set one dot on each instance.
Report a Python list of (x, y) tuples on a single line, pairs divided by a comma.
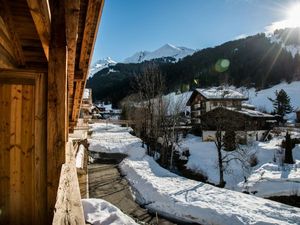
[(128, 26)]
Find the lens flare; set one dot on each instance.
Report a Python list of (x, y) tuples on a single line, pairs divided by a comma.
[(222, 65), (294, 16)]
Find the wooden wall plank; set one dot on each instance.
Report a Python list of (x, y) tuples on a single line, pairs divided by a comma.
[(28, 172), (5, 92), (27, 153), (15, 155)]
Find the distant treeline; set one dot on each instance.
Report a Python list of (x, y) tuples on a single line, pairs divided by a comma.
[(251, 62)]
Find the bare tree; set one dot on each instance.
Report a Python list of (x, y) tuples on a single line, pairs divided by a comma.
[(149, 86), (221, 121), (155, 115), (172, 108)]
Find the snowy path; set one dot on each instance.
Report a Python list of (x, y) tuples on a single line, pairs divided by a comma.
[(106, 182), (182, 198)]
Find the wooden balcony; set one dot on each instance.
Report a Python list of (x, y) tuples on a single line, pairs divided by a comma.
[(196, 106), (196, 113)]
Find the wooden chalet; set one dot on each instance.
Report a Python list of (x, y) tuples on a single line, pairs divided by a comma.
[(87, 104), (204, 100), (248, 124), (45, 52)]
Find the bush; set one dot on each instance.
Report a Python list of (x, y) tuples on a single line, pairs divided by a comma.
[(253, 161), (229, 140)]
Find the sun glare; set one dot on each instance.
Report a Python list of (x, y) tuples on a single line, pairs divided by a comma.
[(294, 16)]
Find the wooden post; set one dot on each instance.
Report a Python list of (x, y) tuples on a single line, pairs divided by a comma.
[(57, 102)]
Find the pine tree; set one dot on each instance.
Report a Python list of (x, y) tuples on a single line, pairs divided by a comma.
[(282, 103)]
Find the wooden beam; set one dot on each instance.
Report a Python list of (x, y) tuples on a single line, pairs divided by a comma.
[(5, 41), (93, 15), (7, 18), (78, 76), (57, 124), (94, 12), (6, 60), (72, 21), (40, 13)]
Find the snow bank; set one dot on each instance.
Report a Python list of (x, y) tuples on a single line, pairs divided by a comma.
[(101, 212), (181, 198), (194, 201), (275, 180), (110, 138)]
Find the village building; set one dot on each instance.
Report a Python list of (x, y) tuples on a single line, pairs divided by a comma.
[(204, 100), (45, 52), (249, 125), (87, 104)]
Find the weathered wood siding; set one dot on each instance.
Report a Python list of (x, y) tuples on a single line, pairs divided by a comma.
[(22, 149)]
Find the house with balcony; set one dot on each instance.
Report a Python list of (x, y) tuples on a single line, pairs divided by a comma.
[(248, 125), (205, 100)]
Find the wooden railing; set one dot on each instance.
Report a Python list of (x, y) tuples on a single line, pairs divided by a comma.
[(117, 122), (68, 207)]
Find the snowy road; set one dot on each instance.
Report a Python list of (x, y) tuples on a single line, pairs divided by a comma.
[(182, 198)]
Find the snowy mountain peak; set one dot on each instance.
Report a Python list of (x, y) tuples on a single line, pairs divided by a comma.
[(101, 64), (167, 50)]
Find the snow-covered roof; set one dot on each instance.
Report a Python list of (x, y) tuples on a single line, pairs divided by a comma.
[(250, 112), (221, 93), (86, 93), (249, 106)]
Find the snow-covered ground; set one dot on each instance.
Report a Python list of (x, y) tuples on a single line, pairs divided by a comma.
[(181, 198), (261, 101), (101, 212), (267, 178)]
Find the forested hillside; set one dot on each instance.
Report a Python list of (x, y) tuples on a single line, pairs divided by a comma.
[(256, 61)]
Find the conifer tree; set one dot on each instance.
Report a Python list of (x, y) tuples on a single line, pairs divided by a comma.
[(282, 103)]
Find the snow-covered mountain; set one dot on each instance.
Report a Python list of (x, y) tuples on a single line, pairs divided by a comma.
[(101, 64), (166, 50), (288, 38)]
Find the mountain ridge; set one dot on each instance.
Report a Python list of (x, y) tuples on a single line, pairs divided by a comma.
[(167, 50), (255, 61)]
